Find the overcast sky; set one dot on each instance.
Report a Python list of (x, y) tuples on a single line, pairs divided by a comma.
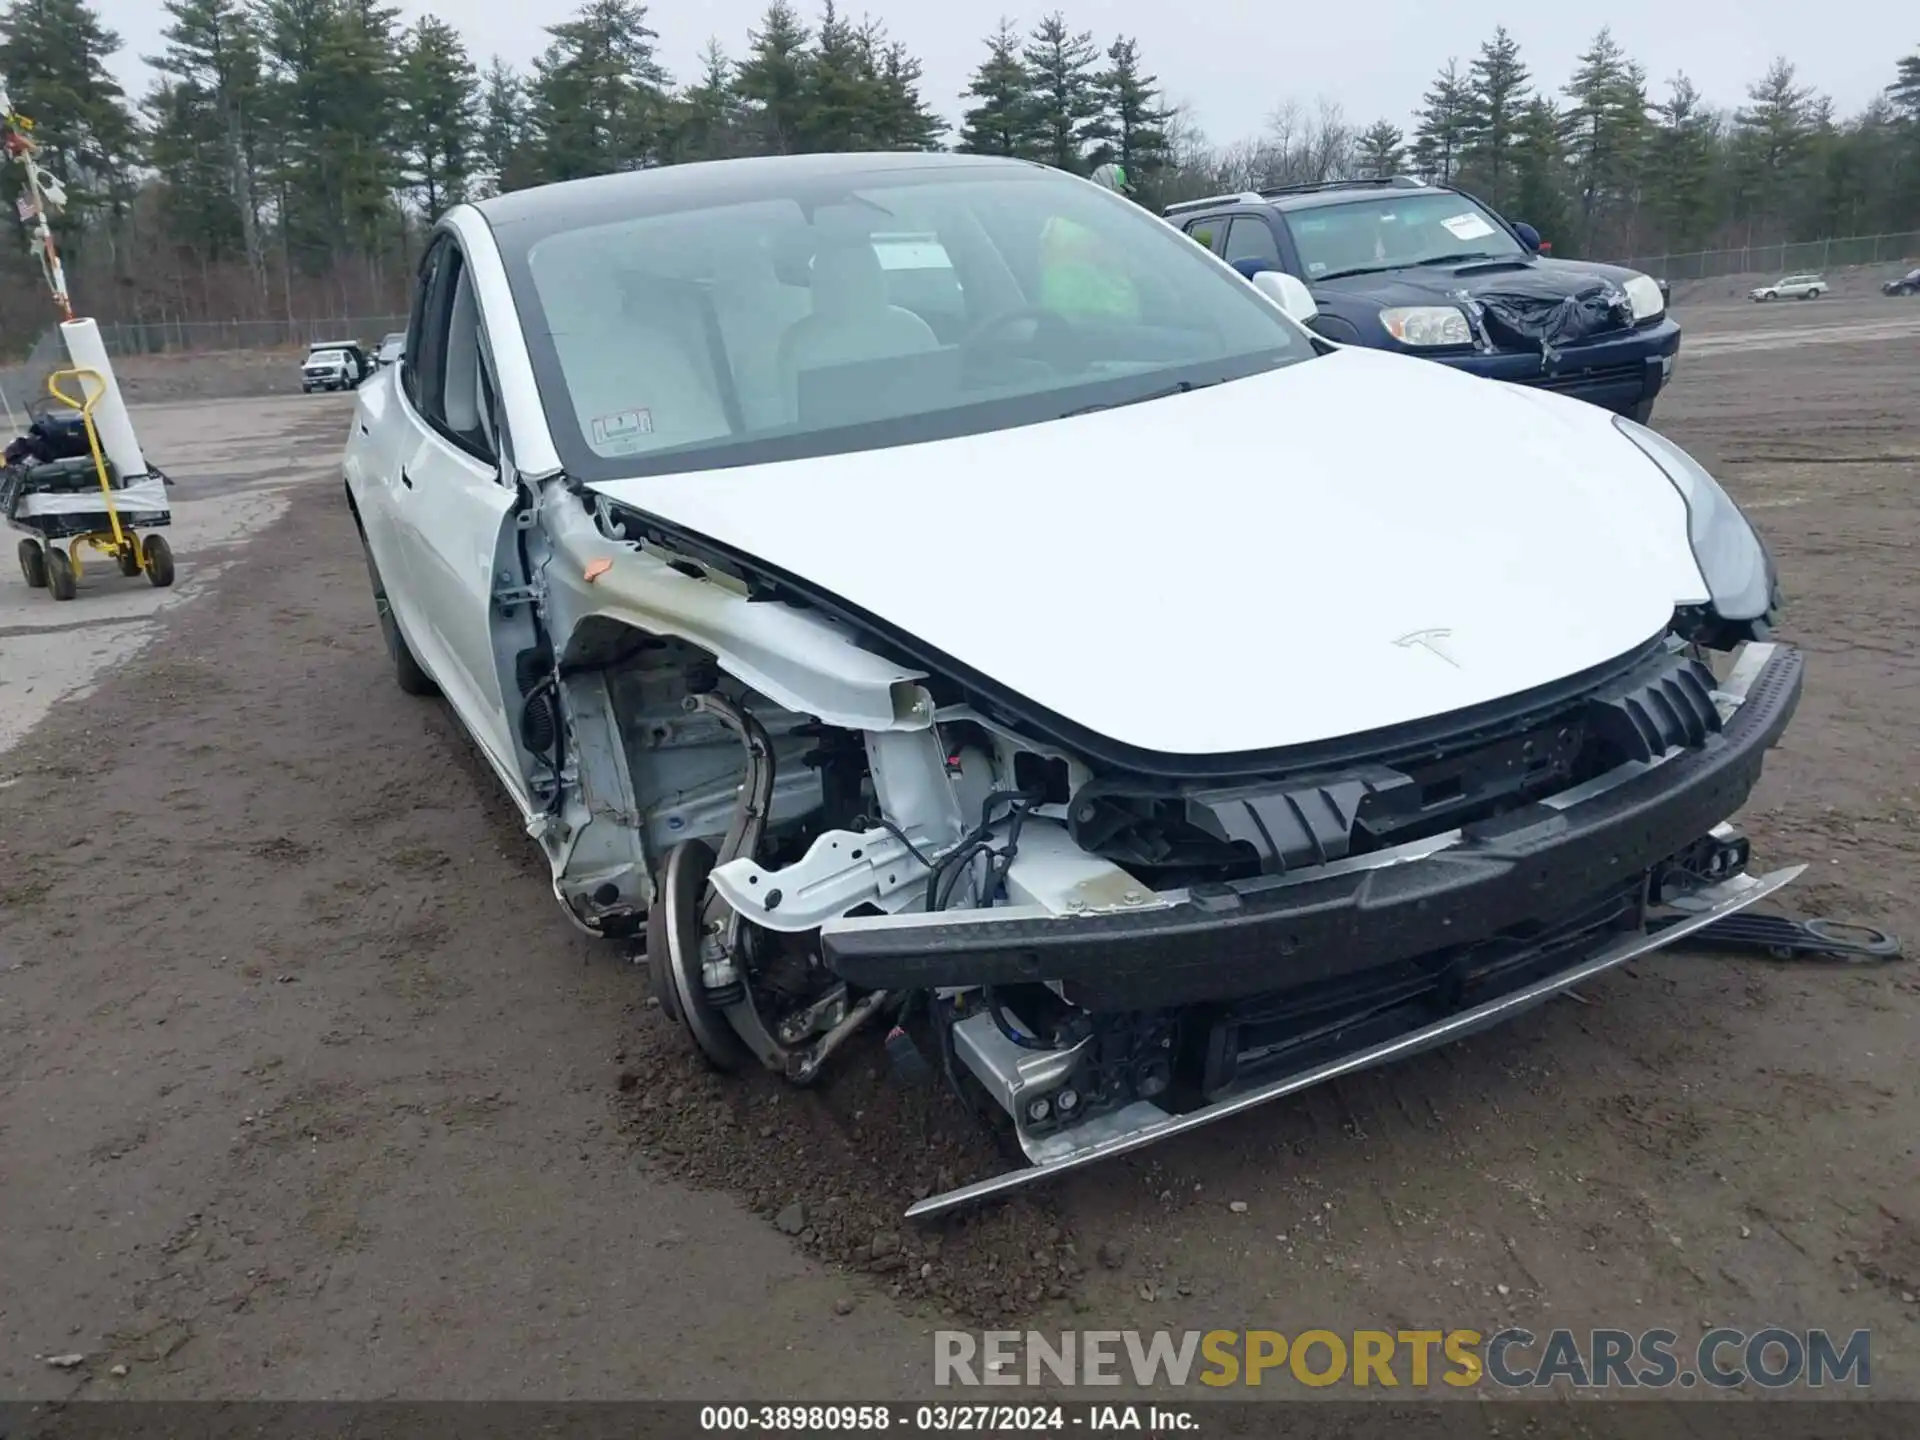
[(1234, 60)]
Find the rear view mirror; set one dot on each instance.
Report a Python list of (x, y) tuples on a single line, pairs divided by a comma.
[(1288, 293), (1529, 236)]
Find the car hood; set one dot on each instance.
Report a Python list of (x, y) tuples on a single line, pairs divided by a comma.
[(1343, 545), (1433, 284)]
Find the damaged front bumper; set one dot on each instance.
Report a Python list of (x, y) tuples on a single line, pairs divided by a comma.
[(1206, 1001), (1012, 1075), (1617, 374), (1528, 867)]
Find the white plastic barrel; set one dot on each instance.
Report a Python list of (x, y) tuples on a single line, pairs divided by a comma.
[(89, 352)]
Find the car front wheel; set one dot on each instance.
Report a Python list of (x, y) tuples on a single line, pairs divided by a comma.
[(406, 670)]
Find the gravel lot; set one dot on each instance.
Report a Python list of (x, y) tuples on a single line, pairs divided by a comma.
[(307, 1090)]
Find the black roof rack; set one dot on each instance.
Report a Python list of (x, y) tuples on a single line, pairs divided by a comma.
[(1396, 182)]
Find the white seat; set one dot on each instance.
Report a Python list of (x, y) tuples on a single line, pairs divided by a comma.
[(754, 309), (640, 375), (852, 319)]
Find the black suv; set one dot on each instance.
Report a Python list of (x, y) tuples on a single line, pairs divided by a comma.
[(1428, 270)]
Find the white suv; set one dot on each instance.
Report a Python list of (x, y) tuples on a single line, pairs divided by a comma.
[(1793, 287)]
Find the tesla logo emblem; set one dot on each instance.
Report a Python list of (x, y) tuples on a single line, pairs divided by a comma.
[(1431, 641)]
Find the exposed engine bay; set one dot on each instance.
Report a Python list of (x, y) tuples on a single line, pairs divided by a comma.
[(818, 832)]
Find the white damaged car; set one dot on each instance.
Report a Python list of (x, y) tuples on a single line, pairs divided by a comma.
[(929, 590)]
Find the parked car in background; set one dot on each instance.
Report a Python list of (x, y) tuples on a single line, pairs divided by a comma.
[(1907, 284), (334, 365), (392, 346), (1428, 270), (1791, 287)]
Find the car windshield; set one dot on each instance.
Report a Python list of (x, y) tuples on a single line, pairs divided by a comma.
[(815, 316), (1392, 232)]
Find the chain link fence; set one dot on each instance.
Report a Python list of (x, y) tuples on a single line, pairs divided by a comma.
[(1832, 254), (24, 382), (160, 337)]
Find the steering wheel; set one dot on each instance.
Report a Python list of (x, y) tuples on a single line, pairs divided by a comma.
[(1047, 324)]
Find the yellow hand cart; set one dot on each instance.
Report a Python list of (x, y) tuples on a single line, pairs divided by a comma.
[(59, 571)]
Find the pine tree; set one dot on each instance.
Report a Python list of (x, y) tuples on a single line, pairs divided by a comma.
[(772, 79), (706, 122), (361, 75), (1539, 190), (1380, 151), (1004, 122), (1066, 100), (901, 118), (203, 137), (1681, 152), (326, 138), (1605, 129), (1446, 122), (1771, 134), (838, 92), (295, 167), (1134, 127), (1500, 86), (1904, 92), (505, 152), (598, 94), (439, 100)]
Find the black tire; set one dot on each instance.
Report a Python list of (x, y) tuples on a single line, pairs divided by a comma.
[(407, 673), (129, 560), (159, 560), (61, 581), (33, 564)]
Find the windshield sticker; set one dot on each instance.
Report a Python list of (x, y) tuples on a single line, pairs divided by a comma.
[(623, 433), (1467, 227)]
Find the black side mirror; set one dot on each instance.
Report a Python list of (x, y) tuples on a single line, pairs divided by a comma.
[(1529, 236)]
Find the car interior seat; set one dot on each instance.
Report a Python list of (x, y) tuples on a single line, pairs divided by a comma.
[(640, 366), (852, 319), (753, 308)]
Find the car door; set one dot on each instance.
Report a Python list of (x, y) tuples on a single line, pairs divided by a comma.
[(452, 509), (383, 439)]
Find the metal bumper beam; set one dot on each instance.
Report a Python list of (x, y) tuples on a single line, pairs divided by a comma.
[(1142, 1123)]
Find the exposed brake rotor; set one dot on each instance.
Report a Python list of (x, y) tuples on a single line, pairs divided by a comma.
[(691, 924), (675, 930)]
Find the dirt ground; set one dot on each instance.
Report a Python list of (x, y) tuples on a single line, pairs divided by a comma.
[(307, 1090)]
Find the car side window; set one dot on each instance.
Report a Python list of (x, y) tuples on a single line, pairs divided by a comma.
[(466, 402), (1204, 231), (417, 319), (1251, 238)]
